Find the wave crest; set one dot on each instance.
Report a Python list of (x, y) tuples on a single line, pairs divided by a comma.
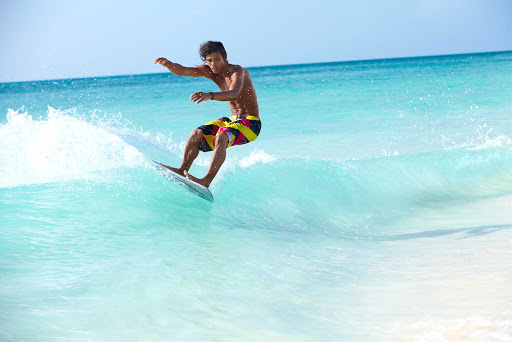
[(57, 148)]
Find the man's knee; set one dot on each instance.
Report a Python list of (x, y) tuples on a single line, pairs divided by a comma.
[(197, 133), (221, 138)]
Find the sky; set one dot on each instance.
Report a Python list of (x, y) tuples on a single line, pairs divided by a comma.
[(51, 39)]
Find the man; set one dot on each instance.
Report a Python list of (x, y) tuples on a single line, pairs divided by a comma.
[(236, 87)]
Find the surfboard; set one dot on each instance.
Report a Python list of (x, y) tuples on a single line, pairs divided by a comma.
[(193, 187)]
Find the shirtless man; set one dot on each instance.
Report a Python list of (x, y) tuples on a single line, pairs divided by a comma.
[(236, 87)]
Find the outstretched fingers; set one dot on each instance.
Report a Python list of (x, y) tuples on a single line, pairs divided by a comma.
[(163, 61), (197, 97)]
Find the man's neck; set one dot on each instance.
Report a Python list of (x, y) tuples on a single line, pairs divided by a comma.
[(227, 70)]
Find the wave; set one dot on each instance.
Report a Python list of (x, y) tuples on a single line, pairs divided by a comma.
[(60, 147), (298, 193), (273, 190)]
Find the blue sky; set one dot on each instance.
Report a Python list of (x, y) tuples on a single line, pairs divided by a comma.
[(64, 39)]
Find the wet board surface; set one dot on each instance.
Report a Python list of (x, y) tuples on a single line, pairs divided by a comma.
[(191, 186)]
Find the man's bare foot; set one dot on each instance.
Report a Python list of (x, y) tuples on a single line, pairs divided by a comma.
[(200, 181), (178, 171)]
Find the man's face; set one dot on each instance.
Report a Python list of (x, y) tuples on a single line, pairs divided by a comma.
[(215, 61)]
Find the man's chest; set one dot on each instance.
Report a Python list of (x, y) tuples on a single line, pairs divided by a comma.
[(224, 83)]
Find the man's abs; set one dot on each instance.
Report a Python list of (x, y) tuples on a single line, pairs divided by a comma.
[(247, 101), (240, 108)]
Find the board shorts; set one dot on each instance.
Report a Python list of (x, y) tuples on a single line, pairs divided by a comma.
[(240, 129)]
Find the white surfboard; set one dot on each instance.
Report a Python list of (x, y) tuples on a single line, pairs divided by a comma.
[(191, 186)]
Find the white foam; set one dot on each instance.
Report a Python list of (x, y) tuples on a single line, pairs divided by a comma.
[(56, 148), (389, 153), (256, 156), (493, 331), (499, 141), (472, 329)]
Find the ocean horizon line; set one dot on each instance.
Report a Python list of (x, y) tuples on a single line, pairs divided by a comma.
[(269, 66)]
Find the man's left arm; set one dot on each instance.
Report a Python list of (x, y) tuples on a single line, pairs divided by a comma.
[(229, 95)]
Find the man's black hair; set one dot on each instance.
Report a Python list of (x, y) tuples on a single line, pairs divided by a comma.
[(209, 47)]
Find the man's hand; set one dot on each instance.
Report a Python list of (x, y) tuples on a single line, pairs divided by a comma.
[(200, 97), (163, 61)]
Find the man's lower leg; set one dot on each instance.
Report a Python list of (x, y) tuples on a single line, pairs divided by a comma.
[(191, 152), (218, 157)]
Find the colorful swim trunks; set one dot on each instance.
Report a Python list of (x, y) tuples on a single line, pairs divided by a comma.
[(241, 129)]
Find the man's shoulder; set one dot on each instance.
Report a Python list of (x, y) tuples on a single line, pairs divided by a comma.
[(205, 69), (238, 68)]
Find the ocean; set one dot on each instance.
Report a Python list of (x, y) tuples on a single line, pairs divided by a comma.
[(376, 205)]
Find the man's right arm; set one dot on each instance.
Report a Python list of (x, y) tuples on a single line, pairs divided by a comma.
[(180, 70)]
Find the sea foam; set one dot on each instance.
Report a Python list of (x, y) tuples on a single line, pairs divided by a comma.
[(58, 147)]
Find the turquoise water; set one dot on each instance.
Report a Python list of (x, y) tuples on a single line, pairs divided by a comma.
[(376, 205)]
